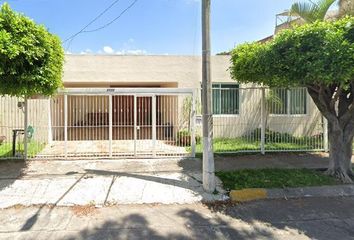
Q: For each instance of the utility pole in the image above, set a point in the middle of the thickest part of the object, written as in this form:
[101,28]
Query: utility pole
[208,154]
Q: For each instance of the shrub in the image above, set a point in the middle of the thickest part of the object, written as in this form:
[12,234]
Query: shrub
[31,58]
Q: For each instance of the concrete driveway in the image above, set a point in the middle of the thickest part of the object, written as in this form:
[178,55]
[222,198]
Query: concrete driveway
[102,183]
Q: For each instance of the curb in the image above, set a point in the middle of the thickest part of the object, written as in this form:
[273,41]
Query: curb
[246,195]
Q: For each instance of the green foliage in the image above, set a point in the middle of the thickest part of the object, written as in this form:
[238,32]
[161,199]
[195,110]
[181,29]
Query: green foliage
[184,137]
[225,53]
[33,149]
[273,141]
[321,53]
[274,178]
[183,133]
[270,136]
[31,58]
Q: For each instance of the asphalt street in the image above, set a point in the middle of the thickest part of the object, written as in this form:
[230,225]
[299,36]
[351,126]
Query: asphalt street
[309,218]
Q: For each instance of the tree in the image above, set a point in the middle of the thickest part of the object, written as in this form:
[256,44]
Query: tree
[31,58]
[320,57]
[313,11]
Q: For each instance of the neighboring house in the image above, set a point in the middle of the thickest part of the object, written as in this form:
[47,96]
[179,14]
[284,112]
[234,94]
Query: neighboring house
[234,104]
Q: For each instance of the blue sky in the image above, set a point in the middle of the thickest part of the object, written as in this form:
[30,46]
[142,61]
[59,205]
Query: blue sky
[154,26]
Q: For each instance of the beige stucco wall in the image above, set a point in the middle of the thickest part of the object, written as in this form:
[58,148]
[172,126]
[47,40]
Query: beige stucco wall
[11,117]
[106,71]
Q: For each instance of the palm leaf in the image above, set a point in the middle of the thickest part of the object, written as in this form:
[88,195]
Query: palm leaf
[323,7]
[311,11]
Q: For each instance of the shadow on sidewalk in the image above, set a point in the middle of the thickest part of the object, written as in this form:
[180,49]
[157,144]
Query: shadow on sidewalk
[30,222]
[10,170]
[182,183]
[193,226]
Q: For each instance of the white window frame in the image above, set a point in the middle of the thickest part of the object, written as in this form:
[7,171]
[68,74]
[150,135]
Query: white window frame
[239,99]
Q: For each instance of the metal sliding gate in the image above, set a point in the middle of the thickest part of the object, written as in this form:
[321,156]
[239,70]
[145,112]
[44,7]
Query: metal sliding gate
[158,122]
[121,122]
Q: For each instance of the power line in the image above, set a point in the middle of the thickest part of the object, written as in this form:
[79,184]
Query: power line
[92,21]
[115,19]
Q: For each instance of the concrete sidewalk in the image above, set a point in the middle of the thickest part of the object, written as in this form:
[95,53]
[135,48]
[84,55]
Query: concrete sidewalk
[102,183]
[102,188]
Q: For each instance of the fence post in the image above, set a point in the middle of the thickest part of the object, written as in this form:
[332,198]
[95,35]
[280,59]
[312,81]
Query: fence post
[25,142]
[110,130]
[66,125]
[50,130]
[325,135]
[192,125]
[135,125]
[154,125]
[263,121]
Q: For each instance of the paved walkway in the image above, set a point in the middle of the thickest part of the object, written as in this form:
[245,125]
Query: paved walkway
[14,169]
[120,147]
[322,218]
[101,183]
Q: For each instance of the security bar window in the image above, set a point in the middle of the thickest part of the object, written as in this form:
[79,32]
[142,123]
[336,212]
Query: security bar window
[287,101]
[226,99]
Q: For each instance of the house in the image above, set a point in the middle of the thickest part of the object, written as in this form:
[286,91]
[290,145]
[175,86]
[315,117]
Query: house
[130,105]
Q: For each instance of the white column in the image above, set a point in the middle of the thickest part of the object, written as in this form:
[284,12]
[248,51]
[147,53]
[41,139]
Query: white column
[325,135]
[263,121]
[208,155]
[192,121]
[50,130]
[154,125]
[135,122]
[25,138]
[66,125]
[110,113]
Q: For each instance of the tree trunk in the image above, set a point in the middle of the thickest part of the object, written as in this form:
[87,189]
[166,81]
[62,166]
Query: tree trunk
[337,105]
[346,7]
[340,153]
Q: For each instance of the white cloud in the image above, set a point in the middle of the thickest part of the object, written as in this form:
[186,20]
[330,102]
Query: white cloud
[108,50]
[132,52]
[85,52]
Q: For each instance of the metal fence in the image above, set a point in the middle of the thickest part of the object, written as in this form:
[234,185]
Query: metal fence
[263,120]
[103,123]
[120,123]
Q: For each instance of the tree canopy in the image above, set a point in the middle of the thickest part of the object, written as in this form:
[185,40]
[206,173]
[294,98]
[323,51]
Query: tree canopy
[321,53]
[319,56]
[31,58]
